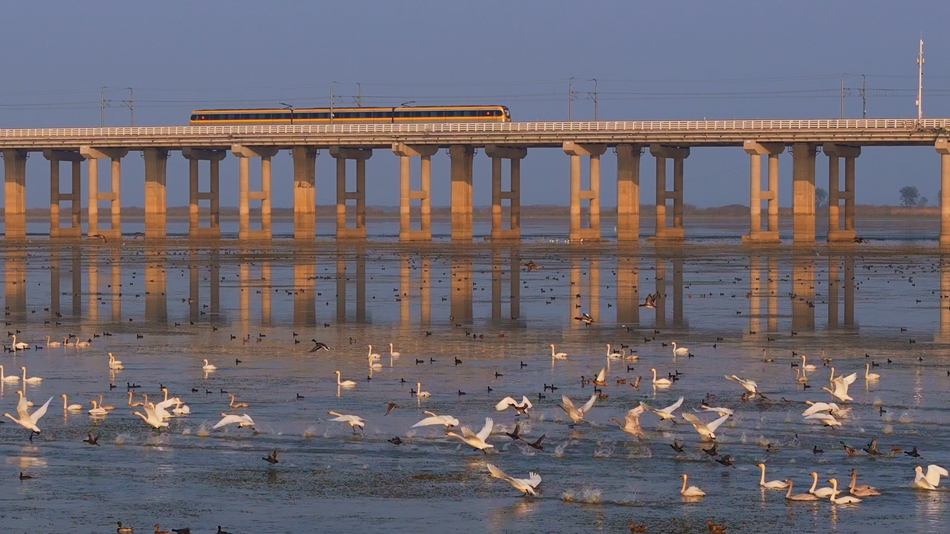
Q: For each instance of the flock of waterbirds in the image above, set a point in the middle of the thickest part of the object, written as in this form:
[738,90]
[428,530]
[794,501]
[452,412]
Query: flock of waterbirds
[831,414]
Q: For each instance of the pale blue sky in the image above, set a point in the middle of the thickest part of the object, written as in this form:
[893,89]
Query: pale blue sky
[653,60]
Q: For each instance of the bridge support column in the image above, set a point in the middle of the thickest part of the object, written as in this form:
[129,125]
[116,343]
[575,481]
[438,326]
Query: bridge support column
[628,192]
[305,211]
[662,153]
[591,194]
[358,231]
[245,195]
[14,175]
[849,153]
[803,193]
[212,195]
[756,195]
[155,204]
[943,148]
[407,194]
[74,197]
[114,196]
[461,202]
[514,155]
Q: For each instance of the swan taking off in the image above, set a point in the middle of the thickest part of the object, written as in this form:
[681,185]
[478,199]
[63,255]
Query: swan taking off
[207,366]
[840,385]
[509,402]
[679,351]
[557,355]
[476,441]
[664,413]
[847,499]
[8,378]
[576,414]
[353,420]
[28,420]
[930,481]
[771,484]
[631,424]
[344,383]
[240,420]
[691,491]
[434,419]
[749,385]
[150,417]
[524,485]
[707,431]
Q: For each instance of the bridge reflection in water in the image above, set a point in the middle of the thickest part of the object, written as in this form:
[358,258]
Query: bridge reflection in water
[116,287]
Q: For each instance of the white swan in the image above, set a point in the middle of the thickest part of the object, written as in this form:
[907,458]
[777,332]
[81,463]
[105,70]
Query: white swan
[207,366]
[681,351]
[344,383]
[392,353]
[354,421]
[631,423]
[180,408]
[370,354]
[26,419]
[821,493]
[81,343]
[706,431]
[868,375]
[691,491]
[861,490]
[771,484]
[800,496]
[96,411]
[434,419]
[19,346]
[476,441]
[131,403]
[52,343]
[718,409]
[70,407]
[840,384]
[557,355]
[240,420]
[931,480]
[749,385]
[807,366]
[420,393]
[576,414]
[524,485]
[161,409]
[664,413]
[32,379]
[826,418]
[660,382]
[613,355]
[373,366]
[847,499]
[234,404]
[8,378]
[22,402]
[509,402]
[815,407]
[151,418]
[115,365]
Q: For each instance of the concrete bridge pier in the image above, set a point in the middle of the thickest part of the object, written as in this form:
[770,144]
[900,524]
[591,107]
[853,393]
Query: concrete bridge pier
[628,193]
[943,148]
[849,153]
[407,194]
[74,197]
[212,195]
[245,195]
[514,155]
[305,211]
[461,177]
[14,175]
[803,194]
[114,196]
[155,203]
[662,153]
[341,154]
[756,195]
[592,194]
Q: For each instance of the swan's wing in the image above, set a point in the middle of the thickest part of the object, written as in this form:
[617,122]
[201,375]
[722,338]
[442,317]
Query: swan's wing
[503,404]
[815,408]
[821,416]
[601,374]
[226,420]
[525,402]
[587,405]
[712,426]
[934,472]
[486,430]
[647,407]
[533,479]
[693,420]
[428,421]
[669,409]
[449,420]
[467,432]
[566,401]
[847,380]
[732,377]
[633,416]
[429,413]
[247,418]
[165,404]
[22,410]
[497,473]
[41,411]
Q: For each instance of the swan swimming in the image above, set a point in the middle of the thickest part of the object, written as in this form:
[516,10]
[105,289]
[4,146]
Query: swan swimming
[821,493]
[207,366]
[52,343]
[771,484]
[32,379]
[660,382]
[8,378]
[613,354]
[70,407]
[19,346]
[557,355]
[344,383]
[420,393]
[392,353]
[96,411]
[476,441]
[524,485]
[26,419]
[800,496]
[868,375]
[807,366]
[681,351]
[691,491]
[115,365]
[847,499]
[861,490]
[372,355]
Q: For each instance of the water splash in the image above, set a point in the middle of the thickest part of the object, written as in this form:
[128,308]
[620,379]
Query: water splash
[203,431]
[309,432]
[584,495]
[905,418]
[603,450]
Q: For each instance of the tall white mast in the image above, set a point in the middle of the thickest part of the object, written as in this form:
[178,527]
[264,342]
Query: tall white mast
[920,79]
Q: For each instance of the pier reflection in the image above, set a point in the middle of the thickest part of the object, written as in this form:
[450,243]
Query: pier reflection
[350,260]
[763,285]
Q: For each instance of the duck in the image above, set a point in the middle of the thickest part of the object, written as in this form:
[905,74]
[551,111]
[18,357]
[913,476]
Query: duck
[123,530]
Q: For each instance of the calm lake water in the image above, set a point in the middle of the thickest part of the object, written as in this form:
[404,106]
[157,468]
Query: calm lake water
[739,311]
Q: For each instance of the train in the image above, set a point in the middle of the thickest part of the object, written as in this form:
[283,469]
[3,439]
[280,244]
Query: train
[350,115]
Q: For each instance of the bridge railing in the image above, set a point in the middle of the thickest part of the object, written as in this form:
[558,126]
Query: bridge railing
[510,127]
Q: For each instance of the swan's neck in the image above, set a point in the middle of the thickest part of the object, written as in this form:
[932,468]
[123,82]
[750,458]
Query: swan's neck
[762,477]
[814,483]
[684,486]
[788,494]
